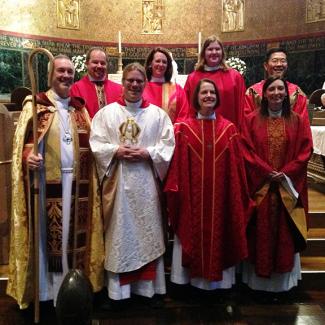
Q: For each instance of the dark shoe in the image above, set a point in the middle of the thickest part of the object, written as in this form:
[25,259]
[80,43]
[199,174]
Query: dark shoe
[157,302]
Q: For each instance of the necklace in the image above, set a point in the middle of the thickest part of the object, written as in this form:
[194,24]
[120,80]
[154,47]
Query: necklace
[67,137]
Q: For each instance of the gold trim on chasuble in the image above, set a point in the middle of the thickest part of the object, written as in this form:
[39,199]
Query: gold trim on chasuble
[277,150]
[206,167]
[169,103]
[276,141]
[297,213]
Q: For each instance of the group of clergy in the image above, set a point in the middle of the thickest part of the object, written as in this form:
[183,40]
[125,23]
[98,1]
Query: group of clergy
[224,169]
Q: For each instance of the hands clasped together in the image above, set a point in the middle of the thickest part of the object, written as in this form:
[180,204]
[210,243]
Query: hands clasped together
[132,154]
[276,176]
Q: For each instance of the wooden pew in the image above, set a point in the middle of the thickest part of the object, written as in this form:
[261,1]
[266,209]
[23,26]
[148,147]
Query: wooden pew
[6,135]
[9,114]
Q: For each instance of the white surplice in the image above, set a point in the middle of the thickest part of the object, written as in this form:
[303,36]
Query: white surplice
[134,236]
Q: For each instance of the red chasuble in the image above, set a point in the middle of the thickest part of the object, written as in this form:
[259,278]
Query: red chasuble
[206,196]
[231,86]
[169,96]
[281,144]
[298,99]
[86,89]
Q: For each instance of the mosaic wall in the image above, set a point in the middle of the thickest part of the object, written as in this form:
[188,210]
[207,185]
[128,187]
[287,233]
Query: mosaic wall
[306,59]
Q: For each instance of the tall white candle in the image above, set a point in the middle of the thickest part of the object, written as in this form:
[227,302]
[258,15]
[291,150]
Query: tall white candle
[119,42]
[199,42]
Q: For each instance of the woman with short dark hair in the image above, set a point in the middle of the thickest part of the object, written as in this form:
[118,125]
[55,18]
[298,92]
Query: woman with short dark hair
[207,196]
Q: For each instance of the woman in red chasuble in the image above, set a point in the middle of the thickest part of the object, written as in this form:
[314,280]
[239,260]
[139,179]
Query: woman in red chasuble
[230,83]
[207,196]
[279,147]
[159,89]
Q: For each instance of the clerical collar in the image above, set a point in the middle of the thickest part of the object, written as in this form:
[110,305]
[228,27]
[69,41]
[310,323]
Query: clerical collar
[203,117]
[95,81]
[134,105]
[207,68]
[275,113]
[61,102]
[159,80]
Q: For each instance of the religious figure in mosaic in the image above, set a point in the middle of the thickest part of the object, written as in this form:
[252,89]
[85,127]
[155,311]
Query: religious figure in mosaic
[315,10]
[68,14]
[152,16]
[232,15]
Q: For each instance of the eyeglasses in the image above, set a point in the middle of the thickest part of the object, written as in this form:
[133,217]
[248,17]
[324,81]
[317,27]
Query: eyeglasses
[138,81]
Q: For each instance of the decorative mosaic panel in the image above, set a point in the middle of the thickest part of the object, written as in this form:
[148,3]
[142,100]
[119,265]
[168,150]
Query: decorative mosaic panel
[315,11]
[232,15]
[306,59]
[68,14]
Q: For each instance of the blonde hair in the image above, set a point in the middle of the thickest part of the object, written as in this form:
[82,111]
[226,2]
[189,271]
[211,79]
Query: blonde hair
[207,42]
[134,66]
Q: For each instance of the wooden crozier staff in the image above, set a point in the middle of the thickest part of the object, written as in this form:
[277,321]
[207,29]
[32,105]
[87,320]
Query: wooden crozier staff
[36,173]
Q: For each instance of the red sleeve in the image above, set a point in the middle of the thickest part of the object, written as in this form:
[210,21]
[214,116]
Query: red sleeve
[74,91]
[301,107]
[177,188]
[297,168]
[187,88]
[241,89]
[256,168]
[183,108]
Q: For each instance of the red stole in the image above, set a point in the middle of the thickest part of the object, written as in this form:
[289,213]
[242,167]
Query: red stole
[163,95]
[147,272]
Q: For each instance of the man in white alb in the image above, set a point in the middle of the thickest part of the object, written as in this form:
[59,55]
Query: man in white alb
[133,142]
